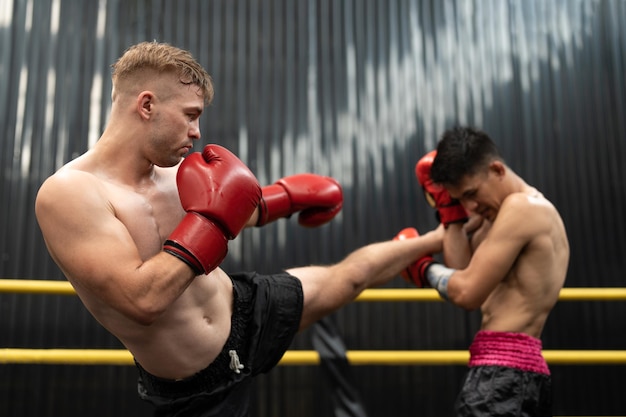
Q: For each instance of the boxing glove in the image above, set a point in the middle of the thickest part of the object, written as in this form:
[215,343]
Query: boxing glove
[219,194]
[415,273]
[317,198]
[449,210]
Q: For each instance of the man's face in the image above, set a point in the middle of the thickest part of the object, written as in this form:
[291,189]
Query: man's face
[479,193]
[177,125]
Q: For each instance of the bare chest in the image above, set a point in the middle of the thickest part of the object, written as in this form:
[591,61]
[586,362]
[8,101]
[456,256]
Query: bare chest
[149,214]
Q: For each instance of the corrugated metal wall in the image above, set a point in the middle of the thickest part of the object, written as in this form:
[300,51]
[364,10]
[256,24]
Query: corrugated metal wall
[356,89]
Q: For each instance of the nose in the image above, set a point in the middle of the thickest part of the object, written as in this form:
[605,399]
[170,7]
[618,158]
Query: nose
[194,130]
[469,204]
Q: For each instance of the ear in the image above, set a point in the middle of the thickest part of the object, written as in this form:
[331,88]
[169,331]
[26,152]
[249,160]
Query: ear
[145,104]
[498,168]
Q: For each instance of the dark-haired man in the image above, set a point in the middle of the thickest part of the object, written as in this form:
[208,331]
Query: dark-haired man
[505,252]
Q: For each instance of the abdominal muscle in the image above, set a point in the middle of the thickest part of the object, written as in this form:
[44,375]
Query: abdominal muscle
[507,309]
[188,336]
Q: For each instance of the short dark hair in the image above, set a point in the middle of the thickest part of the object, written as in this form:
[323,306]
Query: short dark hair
[462,151]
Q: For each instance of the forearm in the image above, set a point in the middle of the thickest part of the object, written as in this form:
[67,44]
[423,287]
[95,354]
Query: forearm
[478,233]
[456,247]
[150,289]
[453,286]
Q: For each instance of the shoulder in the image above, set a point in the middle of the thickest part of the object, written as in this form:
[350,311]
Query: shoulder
[518,199]
[68,180]
[70,189]
[526,214]
[525,203]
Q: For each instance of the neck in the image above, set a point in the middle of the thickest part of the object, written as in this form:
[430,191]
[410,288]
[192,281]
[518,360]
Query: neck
[515,183]
[120,159]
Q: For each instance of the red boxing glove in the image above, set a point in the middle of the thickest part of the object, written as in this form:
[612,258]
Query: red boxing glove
[219,194]
[449,210]
[317,198]
[416,272]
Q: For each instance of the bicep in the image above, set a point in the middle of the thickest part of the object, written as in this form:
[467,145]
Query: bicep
[90,245]
[99,256]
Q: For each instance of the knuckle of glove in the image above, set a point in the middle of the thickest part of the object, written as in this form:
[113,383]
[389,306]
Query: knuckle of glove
[222,188]
[314,217]
[213,152]
[323,203]
[310,190]
[407,233]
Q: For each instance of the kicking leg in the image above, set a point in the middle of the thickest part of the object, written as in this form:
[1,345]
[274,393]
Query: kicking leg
[327,288]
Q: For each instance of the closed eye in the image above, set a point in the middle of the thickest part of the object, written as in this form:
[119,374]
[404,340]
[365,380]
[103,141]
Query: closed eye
[469,194]
[193,113]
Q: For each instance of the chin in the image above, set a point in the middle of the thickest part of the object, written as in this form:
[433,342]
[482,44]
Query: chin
[170,163]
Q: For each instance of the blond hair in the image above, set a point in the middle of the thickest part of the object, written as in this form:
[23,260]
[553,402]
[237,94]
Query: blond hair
[162,58]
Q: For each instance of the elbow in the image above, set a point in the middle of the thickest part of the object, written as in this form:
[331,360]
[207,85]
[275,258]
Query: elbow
[144,314]
[469,306]
[464,297]
[465,303]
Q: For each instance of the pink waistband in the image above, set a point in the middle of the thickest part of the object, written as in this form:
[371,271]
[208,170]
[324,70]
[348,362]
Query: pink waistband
[513,350]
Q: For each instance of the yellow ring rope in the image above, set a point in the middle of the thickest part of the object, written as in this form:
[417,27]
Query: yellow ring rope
[34,286]
[309,357]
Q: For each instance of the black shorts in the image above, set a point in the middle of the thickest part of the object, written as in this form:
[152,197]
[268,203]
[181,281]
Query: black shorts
[501,391]
[508,376]
[266,316]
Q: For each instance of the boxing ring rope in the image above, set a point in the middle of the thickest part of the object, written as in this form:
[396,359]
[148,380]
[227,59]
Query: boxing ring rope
[308,357]
[35,286]
[311,357]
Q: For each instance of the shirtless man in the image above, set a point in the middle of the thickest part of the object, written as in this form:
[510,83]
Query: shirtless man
[141,235]
[510,260]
